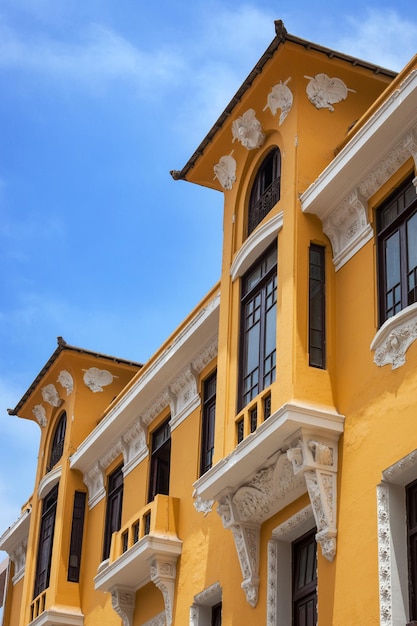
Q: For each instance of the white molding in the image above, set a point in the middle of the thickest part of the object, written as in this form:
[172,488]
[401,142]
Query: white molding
[59,616]
[190,345]
[49,481]
[14,541]
[200,610]
[340,194]
[395,336]
[255,244]
[158,620]
[123,603]
[152,558]
[271,436]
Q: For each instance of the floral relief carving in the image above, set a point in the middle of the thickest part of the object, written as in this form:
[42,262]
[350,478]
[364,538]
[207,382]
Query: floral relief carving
[205,356]
[40,415]
[280,97]
[323,91]
[395,336]
[225,171]
[308,457]
[123,602]
[163,573]
[94,479]
[248,130]
[66,381]
[51,395]
[384,556]
[95,379]
[203,506]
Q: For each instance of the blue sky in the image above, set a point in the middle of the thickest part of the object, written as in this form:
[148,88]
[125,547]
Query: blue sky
[99,101]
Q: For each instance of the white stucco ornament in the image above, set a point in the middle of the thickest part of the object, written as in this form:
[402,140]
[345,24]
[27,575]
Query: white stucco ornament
[66,380]
[280,97]
[323,91]
[95,379]
[225,171]
[40,414]
[51,395]
[248,130]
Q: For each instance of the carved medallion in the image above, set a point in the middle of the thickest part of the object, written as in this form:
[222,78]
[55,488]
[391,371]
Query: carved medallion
[323,91]
[280,97]
[225,171]
[248,130]
[96,379]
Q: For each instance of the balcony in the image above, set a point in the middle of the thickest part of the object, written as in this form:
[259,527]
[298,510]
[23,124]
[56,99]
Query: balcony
[293,451]
[145,549]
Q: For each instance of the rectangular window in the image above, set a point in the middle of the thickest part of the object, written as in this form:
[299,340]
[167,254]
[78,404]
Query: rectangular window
[258,327]
[114,508]
[209,414]
[240,430]
[160,461]
[216,615]
[304,580]
[316,309]
[253,415]
[397,251]
[267,407]
[76,541]
[46,538]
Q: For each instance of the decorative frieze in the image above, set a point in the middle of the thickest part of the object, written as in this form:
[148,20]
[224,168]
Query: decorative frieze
[348,227]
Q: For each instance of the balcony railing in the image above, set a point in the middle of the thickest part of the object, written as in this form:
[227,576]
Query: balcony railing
[151,533]
[38,605]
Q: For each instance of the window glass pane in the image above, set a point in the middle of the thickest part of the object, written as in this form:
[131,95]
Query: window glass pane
[412,242]
[392,259]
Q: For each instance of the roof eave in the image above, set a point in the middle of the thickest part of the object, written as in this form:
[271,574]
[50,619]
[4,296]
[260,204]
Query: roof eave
[281,37]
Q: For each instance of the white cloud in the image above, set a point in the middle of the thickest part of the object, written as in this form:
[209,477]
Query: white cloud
[96,57]
[383,38]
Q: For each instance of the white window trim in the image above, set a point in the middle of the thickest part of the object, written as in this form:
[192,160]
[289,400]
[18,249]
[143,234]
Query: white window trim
[200,610]
[279,592]
[392,541]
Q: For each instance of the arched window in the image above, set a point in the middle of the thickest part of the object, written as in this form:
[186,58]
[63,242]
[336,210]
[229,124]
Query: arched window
[266,189]
[57,445]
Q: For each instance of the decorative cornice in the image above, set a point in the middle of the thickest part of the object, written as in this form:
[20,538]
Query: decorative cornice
[394,338]
[379,148]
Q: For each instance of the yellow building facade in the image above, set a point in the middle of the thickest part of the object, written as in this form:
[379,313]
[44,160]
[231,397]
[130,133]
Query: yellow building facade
[261,467]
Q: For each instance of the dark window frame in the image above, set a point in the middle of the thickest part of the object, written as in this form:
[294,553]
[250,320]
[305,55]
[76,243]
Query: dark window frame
[57,443]
[317,306]
[216,614]
[46,541]
[393,218]
[304,580]
[160,466]
[208,422]
[266,189]
[258,303]
[411,510]
[76,541]
[115,486]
